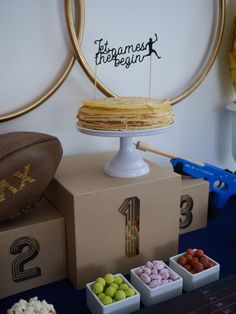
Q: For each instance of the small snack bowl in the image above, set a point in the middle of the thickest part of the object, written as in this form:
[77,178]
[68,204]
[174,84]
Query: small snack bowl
[153,287]
[121,306]
[194,278]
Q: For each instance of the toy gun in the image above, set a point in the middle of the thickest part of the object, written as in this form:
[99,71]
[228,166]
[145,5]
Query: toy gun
[221,182]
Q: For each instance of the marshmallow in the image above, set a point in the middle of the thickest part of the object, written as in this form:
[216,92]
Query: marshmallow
[139,271]
[154,271]
[156,274]
[164,273]
[173,275]
[145,278]
[147,271]
[153,284]
[158,264]
[149,265]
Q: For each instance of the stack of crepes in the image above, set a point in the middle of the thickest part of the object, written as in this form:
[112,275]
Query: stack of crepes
[125,113]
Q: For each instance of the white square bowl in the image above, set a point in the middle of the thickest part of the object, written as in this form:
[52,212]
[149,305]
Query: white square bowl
[151,296]
[124,306]
[195,281]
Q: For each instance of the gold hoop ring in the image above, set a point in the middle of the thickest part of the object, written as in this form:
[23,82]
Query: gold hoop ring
[104,89]
[49,91]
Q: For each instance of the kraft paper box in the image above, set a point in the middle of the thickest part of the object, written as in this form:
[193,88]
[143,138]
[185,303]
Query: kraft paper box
[33,250]
[114,224]
[193,204]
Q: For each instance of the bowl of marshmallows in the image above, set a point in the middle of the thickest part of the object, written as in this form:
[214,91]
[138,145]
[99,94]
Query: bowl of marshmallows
[156,282]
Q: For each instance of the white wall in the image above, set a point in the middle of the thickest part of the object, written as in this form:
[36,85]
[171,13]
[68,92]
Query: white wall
[34,45]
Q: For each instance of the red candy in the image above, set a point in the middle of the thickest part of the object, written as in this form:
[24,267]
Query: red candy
[188,257]
[195,261]
[190,251]
[182,260]
[199,253]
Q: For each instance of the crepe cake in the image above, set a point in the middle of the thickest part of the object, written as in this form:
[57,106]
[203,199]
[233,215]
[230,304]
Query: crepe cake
[125,114]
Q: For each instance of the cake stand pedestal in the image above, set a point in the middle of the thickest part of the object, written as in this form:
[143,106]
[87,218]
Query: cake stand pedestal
[126,163]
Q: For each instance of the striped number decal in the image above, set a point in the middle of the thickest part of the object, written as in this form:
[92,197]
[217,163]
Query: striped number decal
[19,273]
[131,210]
[186,206]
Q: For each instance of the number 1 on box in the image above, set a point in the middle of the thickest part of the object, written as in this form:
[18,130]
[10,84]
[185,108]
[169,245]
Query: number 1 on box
[130,208]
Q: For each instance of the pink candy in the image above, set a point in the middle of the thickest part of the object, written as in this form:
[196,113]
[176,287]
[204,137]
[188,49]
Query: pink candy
[173,275]
[164,273]
[145,278]
[147,271]
[150,265]
[139,271]
[154,284]
[158,264]
[156,274]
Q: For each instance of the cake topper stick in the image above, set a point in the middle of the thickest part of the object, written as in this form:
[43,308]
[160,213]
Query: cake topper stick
[95,83]
[150,77]
[151,50]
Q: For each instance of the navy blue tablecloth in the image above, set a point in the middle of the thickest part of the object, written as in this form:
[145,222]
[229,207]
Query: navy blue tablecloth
[218,240]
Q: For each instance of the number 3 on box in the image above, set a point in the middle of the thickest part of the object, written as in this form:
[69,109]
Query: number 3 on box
[186,206]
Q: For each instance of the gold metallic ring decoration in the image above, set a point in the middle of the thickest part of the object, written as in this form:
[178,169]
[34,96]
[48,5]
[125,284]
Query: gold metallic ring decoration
[51,89]
[105,90]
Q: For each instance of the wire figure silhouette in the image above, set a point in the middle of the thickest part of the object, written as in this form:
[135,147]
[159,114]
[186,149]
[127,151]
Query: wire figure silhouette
[149,45]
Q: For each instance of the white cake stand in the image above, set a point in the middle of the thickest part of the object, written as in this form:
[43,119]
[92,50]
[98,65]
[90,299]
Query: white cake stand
[126,163]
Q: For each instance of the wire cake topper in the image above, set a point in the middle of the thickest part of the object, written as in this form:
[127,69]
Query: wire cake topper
[125,56]
[183,93]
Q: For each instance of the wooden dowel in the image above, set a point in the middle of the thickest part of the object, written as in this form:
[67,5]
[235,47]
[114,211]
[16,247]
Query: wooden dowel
[145,147]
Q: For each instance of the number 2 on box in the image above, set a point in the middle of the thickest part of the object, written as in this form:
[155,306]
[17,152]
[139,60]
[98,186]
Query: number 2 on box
[17,247]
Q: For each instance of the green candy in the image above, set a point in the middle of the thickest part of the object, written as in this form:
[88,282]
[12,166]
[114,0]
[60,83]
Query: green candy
[101,295]
[106,300]
[110,291]
[129,292]
[109,278]
[114,285]
[97,288]
[120,295]
[123,287]
[118,280]
[101,281]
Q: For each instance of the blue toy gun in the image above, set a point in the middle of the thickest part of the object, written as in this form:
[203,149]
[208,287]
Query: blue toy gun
[221,182]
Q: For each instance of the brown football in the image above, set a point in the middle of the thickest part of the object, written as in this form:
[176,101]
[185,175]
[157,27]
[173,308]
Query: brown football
[28,162]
